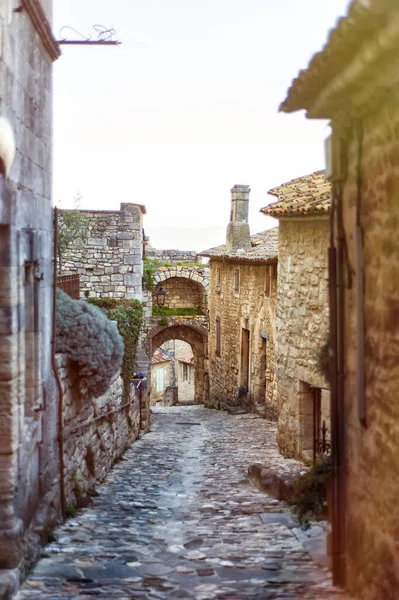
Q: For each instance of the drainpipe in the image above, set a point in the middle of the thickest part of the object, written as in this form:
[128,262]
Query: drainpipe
[56,375]
[332,276]
[337,261]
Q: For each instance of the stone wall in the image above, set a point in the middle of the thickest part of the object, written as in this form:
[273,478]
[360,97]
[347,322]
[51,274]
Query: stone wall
[183,293]
[372,452]
[96,432]
[173,256]
[249,309]
[185,385]
[302,324]
[110,262]
[29,494]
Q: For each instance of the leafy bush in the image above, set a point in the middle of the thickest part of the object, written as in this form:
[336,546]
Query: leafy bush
[150,267]
[129,314]
[90,340]
[309,498]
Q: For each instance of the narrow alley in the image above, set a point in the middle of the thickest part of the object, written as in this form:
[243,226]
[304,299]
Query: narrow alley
[178,518]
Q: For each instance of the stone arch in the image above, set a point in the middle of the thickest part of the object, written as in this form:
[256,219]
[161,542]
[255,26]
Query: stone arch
[191,332]
[186,287]
[197,274]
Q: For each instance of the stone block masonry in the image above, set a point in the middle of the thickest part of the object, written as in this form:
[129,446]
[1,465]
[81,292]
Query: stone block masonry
[96,432]
[29,485]
[302,324]
[110,262]
[172,256]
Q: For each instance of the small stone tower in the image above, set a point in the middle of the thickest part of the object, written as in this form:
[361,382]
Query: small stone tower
[238,235]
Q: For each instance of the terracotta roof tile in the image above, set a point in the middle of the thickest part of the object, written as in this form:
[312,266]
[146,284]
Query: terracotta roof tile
[264,247]
[160,356]
[308,195]
[364,19]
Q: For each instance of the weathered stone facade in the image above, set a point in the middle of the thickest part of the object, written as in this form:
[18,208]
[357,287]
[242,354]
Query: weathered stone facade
[110,262]
[372,451]
[360,81]
[184,288]
[95,432]
[29,490]
[249,310]
[301,331]
[185,375]
[242,304]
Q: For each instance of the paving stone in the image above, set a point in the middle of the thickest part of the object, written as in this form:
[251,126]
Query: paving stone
[178,518]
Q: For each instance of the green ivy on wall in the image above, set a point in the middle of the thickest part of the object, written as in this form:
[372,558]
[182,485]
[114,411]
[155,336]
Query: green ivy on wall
[129,315]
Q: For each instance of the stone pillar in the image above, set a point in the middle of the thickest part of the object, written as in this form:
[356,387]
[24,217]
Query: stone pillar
[238,235]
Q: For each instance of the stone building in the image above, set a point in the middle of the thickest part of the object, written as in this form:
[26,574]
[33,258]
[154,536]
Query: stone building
[303,209]
[242,306]
[29,470]
[110,261]
[184,372]
[172,365]
[160,374]
[353,82]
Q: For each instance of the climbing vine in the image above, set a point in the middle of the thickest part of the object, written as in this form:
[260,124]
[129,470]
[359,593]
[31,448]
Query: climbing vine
[150,267]
[129,315]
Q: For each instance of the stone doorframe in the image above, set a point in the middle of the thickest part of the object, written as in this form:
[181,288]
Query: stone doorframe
[194,333]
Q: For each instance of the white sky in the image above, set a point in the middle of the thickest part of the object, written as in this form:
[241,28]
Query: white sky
[185,108]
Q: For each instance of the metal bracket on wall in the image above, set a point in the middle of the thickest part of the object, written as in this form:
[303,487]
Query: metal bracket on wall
[104,37]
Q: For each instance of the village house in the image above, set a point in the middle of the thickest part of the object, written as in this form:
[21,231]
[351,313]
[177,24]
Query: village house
[29,472]
[353,82]
[172,365]
[303,209]
[242,307]
[161,366]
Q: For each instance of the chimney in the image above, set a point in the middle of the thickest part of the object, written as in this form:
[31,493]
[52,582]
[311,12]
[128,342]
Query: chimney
[238,235]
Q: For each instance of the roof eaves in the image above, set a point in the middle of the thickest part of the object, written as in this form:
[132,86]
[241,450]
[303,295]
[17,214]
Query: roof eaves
[352,33]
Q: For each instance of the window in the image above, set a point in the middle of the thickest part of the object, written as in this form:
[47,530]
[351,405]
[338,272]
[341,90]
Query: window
[160,380]
[267,281]
[185,372]
[237,281]
[218,336]
[245,346]
[218,279]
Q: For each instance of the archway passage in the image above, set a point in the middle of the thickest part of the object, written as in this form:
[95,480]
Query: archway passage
[196,336]
[183,293]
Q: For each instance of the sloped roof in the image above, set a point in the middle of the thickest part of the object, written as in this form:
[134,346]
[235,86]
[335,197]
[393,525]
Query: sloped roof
[160,356]
[264,247]
[364,19]
[307,195]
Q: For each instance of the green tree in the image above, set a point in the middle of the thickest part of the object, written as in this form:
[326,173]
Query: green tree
[73,229]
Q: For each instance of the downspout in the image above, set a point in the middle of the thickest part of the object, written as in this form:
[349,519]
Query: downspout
[56,375]
[340,410]
[332,278]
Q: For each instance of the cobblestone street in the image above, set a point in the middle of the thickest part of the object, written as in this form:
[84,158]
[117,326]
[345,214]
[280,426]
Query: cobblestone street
[178,518]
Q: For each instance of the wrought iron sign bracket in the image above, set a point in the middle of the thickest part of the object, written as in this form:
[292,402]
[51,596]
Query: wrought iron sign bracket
[104,37]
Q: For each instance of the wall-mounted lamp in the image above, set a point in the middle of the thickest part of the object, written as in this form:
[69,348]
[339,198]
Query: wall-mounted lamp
[160,296]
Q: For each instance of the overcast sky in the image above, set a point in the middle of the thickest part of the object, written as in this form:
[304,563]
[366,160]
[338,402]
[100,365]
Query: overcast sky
[185,108]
